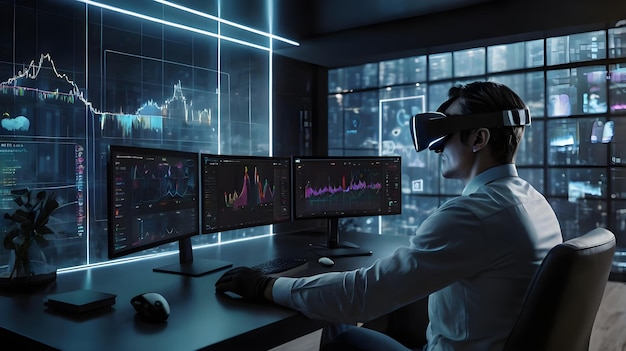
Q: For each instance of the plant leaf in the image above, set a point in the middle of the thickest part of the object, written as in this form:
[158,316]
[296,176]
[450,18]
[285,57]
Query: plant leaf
[20,192]
[20,216]
[50,205]
[41,241]
[27,228]
[41,195]
[43,230]
[8,239]
[31,217]
[18,200]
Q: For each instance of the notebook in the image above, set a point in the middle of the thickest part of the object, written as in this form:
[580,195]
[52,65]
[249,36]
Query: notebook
[79,301]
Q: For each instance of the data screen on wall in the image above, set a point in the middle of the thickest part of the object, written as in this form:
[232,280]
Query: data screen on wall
[42,146]
[153,198]
[244,191]
[53,168]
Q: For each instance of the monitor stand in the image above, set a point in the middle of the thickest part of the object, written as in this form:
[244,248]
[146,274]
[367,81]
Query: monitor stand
[335,247]
[190,267]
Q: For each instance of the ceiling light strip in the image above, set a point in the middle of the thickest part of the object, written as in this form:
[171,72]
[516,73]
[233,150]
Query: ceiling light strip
[221,20]
[172,24]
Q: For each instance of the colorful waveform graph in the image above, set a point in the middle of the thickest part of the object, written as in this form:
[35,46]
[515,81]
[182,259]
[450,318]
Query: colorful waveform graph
[253,192]
[163,181]
[176,179]
[354,186]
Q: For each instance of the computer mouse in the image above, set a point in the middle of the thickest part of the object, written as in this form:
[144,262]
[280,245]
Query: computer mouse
[151,307]
[326,261]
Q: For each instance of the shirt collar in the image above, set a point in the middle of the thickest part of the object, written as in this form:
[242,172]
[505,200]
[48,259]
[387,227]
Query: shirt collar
[489,175]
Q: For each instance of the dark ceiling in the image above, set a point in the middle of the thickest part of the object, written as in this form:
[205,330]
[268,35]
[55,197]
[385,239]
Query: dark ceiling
[321,25]
[303,20]
[339,33]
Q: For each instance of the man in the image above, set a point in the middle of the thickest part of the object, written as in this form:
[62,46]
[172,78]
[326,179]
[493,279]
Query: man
[474,257]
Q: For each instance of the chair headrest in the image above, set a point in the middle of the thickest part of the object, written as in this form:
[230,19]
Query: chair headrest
[596,239]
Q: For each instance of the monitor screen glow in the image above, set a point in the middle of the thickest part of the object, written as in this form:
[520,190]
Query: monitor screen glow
[244,191]
[339,187]
[154,199]
[346,187]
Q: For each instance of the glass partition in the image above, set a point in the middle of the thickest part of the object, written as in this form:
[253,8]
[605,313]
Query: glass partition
[617,42]
[469,62]
[576,47]
[80,78]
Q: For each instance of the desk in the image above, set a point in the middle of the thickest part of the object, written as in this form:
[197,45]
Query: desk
[200,319]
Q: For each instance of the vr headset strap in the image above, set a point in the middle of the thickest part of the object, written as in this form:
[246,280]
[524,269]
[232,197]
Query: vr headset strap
[447,124]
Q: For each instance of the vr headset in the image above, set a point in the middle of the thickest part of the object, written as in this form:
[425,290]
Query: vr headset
[431,130]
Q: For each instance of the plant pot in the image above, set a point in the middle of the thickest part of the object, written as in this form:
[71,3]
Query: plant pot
[27,267]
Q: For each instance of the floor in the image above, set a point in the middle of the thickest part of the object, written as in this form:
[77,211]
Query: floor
[609,330]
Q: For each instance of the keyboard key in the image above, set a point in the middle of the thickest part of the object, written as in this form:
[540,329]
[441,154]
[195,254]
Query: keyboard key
[280,264]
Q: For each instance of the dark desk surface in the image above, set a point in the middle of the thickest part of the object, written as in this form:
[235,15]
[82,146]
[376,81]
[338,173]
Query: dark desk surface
[199,318]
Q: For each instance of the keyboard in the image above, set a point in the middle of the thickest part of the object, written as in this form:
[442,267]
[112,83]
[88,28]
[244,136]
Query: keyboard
[280,264]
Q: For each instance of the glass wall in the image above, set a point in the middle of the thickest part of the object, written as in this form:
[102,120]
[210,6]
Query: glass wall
[575,87]
[76,78]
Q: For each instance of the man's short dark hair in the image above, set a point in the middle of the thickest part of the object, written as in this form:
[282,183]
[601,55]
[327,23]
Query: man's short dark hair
[481,97]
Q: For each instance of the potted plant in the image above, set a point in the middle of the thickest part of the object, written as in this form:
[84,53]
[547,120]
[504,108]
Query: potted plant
[29,235]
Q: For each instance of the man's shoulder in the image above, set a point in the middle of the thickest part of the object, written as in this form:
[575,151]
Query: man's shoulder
[494,197]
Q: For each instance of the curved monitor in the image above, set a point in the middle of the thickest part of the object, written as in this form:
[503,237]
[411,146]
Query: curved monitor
[153,200]
[336,187]
[244,191]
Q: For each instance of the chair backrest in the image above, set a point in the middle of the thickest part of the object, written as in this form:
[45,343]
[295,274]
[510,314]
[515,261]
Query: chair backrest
[564,296]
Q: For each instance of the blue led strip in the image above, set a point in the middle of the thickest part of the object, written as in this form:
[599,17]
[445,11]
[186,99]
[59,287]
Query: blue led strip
[188,28]
[230,23]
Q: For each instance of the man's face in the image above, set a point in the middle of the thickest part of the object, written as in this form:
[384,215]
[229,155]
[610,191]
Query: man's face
[457,158]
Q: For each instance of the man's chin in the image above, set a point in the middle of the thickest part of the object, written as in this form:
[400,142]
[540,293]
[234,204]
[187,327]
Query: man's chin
[449,174]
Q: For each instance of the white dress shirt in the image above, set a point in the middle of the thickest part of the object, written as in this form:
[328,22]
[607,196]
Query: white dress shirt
[474,256]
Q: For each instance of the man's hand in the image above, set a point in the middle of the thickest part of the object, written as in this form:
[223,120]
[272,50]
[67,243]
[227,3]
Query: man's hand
[246,282]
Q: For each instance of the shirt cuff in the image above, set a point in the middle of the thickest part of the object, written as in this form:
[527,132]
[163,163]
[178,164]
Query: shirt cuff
[281,291]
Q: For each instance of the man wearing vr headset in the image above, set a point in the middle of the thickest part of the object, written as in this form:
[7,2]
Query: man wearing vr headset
[473,258]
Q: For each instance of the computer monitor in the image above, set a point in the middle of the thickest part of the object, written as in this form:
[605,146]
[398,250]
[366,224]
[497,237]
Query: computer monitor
[244,191]
[154,200]
[337,187]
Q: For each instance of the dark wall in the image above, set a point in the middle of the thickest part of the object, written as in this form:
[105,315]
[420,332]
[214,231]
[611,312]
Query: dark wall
[299,108]
[300,95]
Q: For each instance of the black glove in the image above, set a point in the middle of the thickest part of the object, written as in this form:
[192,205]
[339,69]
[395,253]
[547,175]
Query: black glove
[246,282]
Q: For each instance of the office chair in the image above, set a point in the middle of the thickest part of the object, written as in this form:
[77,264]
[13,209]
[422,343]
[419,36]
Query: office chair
[564,296]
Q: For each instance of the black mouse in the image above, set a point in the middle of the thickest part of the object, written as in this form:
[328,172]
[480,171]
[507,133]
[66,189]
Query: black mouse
[151,307]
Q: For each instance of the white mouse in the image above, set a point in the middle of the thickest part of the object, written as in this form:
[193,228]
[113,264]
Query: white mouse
[325,261]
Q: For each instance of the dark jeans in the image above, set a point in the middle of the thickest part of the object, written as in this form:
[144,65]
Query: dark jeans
[363,339]
[402,329]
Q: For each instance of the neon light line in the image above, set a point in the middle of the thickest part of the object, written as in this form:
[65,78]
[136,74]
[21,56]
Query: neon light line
[233,24]
[172,24]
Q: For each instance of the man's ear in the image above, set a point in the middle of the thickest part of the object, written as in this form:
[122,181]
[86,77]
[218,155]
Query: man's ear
[481,138]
